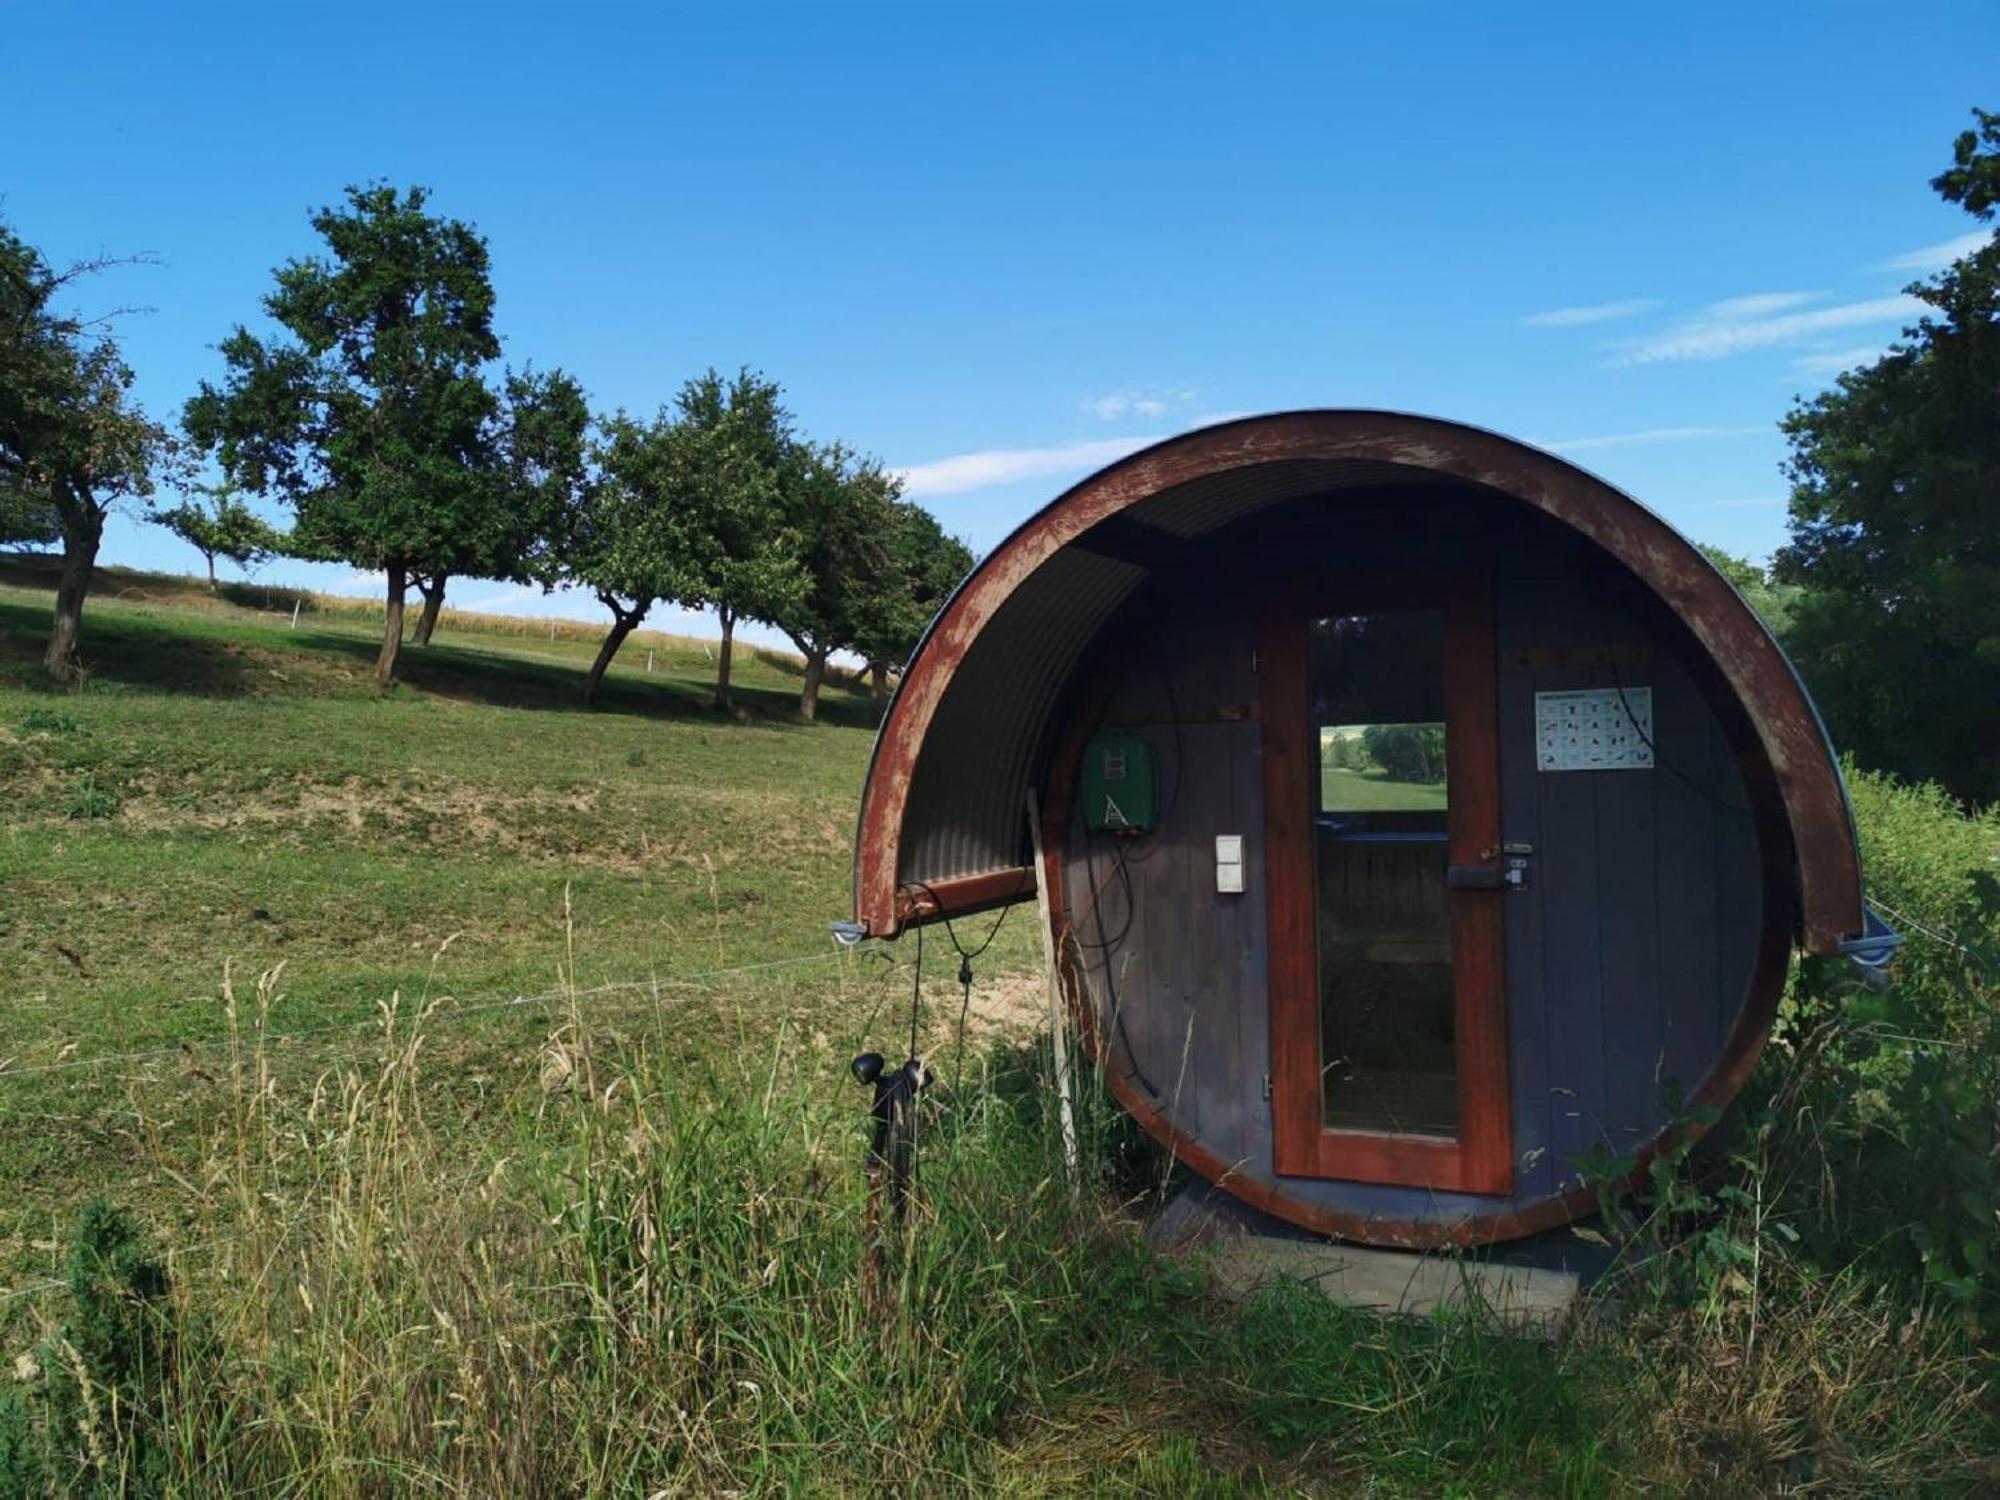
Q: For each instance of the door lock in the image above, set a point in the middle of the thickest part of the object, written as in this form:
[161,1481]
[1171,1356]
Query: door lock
[1510,874]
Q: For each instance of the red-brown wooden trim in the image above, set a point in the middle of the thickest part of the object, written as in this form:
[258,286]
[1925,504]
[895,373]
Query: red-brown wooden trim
[1814,804]
[963,894]
[1285,712]
[1480,1158]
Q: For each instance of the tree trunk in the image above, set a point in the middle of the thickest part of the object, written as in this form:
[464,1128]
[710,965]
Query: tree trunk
[212,585]
[623,623]
[728,618]
[878,676]
[433,592]
[392,629]
[809,697]
[83,529]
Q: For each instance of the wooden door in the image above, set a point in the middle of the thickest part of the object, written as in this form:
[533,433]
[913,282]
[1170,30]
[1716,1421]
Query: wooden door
[1383,847]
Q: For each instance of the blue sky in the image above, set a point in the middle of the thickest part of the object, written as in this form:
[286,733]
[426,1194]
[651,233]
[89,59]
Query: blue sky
[1000,245]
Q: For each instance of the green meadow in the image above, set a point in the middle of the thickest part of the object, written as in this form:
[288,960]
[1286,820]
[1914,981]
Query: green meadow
[443,1091]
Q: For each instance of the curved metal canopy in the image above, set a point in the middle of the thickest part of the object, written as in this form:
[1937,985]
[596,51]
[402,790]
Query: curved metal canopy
[941,813]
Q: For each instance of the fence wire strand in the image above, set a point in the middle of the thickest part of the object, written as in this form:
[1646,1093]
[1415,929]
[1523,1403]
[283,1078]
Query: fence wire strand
[445,1006]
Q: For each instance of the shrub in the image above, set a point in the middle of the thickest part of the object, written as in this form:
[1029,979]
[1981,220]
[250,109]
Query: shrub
[103,1396]
[1898,1082]
[93,797]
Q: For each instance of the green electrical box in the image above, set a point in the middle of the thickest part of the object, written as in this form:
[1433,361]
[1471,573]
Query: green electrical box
[1120,787]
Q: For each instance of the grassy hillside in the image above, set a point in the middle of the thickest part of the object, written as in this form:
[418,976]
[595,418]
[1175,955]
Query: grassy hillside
[467,1073]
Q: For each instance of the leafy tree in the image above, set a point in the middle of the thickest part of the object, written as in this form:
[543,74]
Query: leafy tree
[73,446]
[1773,601]
[1894,474]
[539,460]
[617,537]
[374,421]
[840,508]
[925,565]
[224,527]
[1407,752]
[737,555]
[26,519]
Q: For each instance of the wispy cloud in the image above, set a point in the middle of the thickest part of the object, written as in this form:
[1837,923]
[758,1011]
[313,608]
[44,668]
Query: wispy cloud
[1596,312]
[1937,257]
[1652,435]
[1115,406]
[1756,305]
[977,471]
[1726,328]
[1836,360]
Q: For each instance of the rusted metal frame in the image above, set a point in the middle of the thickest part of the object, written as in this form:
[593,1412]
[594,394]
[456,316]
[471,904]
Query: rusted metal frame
[1479,1158]
[963,895]
[1787,726]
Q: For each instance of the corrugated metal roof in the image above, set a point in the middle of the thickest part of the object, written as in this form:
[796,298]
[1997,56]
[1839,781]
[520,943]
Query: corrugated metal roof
[966,810]
[1213,501]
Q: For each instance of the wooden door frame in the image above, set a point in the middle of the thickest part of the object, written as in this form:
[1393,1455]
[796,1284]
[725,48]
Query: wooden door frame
[1480,1159]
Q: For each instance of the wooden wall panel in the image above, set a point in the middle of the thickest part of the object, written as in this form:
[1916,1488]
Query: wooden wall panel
[1517,633]
[1626,959]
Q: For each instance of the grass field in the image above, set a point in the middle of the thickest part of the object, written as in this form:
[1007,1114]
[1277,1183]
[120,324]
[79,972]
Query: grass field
[531,1165]
[1344,790]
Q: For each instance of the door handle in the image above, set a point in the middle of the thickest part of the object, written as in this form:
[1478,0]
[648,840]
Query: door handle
[1473,878]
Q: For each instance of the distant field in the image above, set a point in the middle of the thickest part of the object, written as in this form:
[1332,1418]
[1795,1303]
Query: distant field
[1371,791]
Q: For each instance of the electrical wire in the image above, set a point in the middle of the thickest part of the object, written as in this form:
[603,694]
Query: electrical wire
[965,958]
[1617,607]
[513,1002]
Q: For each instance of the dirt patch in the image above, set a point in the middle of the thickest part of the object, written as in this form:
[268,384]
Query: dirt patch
[1005,1008]
[583,824]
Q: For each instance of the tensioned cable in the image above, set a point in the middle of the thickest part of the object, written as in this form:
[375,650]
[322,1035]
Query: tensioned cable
[435,1012]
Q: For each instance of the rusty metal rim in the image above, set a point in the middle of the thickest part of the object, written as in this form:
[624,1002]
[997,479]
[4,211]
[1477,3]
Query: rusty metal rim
[1790,732]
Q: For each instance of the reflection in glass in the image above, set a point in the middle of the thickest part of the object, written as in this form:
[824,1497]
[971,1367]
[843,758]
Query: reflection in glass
[1388,1053]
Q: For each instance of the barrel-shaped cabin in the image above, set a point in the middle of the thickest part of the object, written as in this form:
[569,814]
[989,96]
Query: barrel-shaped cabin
[1423,820]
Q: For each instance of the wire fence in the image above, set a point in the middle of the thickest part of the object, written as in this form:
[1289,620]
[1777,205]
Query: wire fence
[445,1007]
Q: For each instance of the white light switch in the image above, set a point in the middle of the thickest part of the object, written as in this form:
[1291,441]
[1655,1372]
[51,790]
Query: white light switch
[1229,864]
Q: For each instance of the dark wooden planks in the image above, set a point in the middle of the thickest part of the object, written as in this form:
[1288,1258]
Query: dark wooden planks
[1692,789]
[1528,1017]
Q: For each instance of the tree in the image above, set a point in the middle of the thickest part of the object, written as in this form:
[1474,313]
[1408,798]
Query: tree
[73,445]
[737,555]
[1407,752]
[924,565]
[1773,601]
[374,422]
[617,535]
[1894,474]
[26,519]
[224,527]
[539,461]
[840,508]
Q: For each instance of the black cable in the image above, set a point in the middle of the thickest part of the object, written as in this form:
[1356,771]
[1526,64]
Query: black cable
[1105,944]
[965,958]
[1611,663]
[917,990]
[1104,947]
